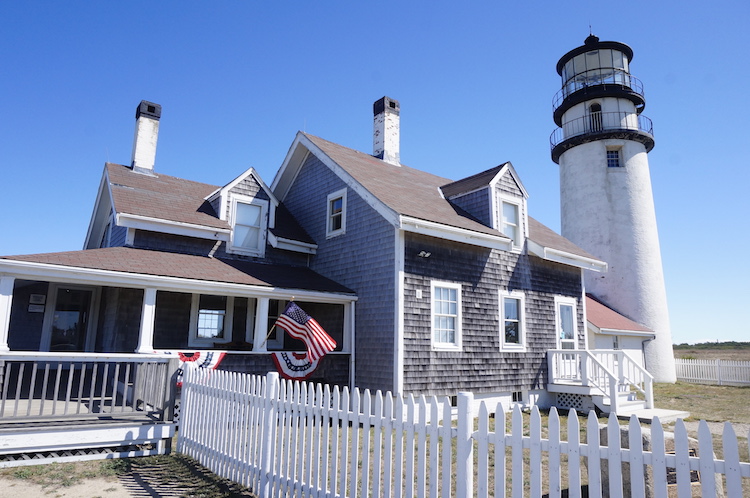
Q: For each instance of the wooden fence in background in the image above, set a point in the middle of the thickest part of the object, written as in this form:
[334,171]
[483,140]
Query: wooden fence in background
[721,372]
[284,438]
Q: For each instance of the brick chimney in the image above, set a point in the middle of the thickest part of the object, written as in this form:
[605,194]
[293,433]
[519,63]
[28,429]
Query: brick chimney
[386,131]
[146,133]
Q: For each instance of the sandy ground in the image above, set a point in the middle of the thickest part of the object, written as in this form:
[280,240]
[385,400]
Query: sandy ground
[16,488]
[131,485]
[146,478]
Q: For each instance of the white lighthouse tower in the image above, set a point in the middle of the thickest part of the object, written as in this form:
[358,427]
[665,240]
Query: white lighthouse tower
[607,205]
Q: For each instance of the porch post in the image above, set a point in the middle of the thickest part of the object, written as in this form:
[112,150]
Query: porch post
[261,322]
[146,336]
[6,299]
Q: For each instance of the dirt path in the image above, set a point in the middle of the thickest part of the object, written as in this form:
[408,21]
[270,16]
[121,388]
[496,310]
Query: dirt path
[169,477]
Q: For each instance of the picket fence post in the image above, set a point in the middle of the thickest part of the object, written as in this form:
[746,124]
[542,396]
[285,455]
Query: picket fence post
[465,447]
[269,424]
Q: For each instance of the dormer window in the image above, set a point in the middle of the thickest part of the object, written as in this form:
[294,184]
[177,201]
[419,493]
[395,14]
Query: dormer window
[248,226]
[336,214]
[511,223]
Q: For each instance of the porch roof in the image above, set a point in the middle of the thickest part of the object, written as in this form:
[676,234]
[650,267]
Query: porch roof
[131,261]
[605,318]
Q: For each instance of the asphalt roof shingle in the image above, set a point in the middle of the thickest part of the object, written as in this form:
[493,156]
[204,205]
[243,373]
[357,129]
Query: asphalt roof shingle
[165,264]
[162,197]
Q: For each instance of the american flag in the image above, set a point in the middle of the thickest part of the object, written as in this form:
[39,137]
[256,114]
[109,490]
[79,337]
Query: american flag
[300,325]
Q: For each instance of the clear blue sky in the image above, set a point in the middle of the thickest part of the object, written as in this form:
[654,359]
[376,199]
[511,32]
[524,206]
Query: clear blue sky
[236,80]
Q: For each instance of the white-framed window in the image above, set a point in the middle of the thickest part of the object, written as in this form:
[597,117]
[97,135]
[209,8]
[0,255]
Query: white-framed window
[210,320]
[613,157]
[336,213]
[566,318]
[446,315]
[512,321]
[248,226]
[511,222]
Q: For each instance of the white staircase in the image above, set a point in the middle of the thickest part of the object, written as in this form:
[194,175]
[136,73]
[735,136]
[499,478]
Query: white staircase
[609,380]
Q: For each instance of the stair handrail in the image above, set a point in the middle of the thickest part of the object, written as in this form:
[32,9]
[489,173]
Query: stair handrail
[648,380]
[610,386]
[596,375]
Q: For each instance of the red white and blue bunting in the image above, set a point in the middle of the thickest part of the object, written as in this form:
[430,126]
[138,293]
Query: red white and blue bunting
[294,366]
[202,359]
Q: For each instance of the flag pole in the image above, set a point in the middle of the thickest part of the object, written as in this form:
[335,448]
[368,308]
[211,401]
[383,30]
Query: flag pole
[269,335]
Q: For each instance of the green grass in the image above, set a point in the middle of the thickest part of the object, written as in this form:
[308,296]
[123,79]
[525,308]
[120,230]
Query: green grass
[704,402]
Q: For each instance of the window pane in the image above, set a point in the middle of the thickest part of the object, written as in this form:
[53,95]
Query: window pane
[511,308]
[211,312]
[510,213]
[566,322]
[511,332]
[510,221]
[247,237]
[336,222]
[248,214]
[617,59]
[445,310]
[337,205]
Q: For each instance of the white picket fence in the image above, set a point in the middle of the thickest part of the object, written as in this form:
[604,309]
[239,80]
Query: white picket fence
[284,438]
[721,372]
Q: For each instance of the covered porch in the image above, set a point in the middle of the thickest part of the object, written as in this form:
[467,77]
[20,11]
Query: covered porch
[126,300]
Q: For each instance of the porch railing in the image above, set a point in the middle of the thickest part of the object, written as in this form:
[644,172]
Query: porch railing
[44,386]
[608,372]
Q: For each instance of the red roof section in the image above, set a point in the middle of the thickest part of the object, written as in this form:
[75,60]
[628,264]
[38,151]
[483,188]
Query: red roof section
[604,317]
[165,264]
[162,197]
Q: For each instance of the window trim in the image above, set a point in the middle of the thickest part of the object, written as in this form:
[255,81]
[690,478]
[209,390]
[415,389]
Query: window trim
[458,340]
[342,194]
[618,150]
[516,243]
[566,301]
[193,339]
[521,297]
[263,228]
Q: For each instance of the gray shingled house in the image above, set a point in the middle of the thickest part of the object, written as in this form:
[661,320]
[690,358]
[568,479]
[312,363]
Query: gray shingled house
[428,285]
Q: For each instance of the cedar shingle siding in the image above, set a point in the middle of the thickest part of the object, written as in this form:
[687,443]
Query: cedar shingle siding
[477,203]
[368,243]
[481,367]
[172,243]
[117,236]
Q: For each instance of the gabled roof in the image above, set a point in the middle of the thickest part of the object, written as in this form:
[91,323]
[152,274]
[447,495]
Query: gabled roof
[162,197]
[413,200]
[128,265]
[482,180]
[407,191]
[224,191]
[408,198]
[607,320]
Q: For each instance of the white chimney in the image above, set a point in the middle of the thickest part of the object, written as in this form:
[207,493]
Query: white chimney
[146,133]
[386,131]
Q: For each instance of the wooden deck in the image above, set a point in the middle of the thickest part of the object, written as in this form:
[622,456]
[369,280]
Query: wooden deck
[81,406]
